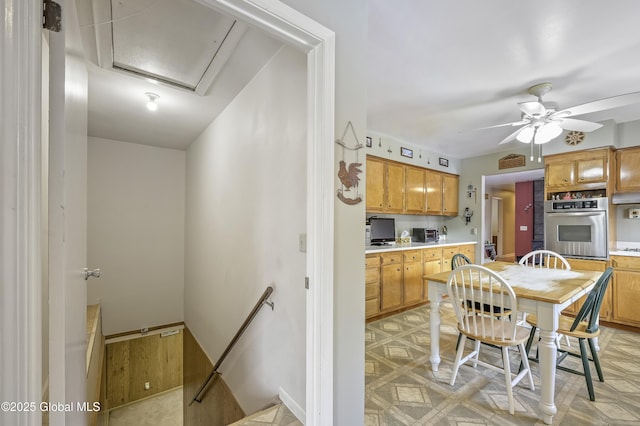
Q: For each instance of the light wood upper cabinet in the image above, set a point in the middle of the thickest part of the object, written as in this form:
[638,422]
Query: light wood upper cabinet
[449,195]
[628,169]
[442,193]
[575,171]
[433,183]
[414,190]
[394,187]
[385,186]
[375,185]
[559,174]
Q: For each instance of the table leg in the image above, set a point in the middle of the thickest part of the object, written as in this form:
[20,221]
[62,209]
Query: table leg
[434,301]
[547,352]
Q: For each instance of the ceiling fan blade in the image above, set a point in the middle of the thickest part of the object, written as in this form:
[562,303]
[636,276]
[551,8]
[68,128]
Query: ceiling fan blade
[532,108]
[603,104]
[511,137]
[515,123]
[579,125]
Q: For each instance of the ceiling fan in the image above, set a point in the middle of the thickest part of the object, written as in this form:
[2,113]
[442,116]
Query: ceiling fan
[542,121]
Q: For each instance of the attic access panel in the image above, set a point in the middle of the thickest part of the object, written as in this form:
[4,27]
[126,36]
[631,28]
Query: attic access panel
[174,41]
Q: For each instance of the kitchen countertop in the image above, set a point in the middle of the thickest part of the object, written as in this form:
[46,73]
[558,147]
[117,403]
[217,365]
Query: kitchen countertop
[620,247]
[416,246]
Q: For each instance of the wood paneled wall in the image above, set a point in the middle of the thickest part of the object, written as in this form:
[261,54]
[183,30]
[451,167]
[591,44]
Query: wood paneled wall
[218,407]
[131,363]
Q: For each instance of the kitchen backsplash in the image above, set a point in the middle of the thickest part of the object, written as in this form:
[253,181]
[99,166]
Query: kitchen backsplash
[627,229]
[406,222]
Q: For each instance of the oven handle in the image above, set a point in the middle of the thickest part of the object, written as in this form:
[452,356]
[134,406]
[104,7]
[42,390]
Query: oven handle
[583,214]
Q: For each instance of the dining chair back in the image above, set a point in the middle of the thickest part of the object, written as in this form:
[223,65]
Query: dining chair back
[584,328]
[483,302]
[459,259]
[545,259]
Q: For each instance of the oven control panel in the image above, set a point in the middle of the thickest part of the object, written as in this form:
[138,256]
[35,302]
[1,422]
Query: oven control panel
[578,204]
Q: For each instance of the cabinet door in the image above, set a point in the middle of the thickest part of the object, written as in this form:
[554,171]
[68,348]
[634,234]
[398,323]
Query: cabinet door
[591,170]
[447,254]
[395,188]
[628,173]
[590,265]
[414,191]
[469,250]
[433,185]
[412,283]
[375,185]
[559,175]
[391,288]
[430,266]
[626,297]
[449,195]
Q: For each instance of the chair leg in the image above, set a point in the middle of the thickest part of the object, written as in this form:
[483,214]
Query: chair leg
[524,360]
[477,349]
[587,370]
[456,363]
[458,341]
[528,348]
[507,378]
[596,360]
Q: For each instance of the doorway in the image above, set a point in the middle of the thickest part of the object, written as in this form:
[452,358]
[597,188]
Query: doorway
[500,210]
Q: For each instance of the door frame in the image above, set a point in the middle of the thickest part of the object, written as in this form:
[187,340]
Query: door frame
[20,105]
[318,43]
[20,219]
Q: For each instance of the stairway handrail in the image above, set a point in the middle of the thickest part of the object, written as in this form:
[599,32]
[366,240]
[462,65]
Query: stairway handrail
[243,327]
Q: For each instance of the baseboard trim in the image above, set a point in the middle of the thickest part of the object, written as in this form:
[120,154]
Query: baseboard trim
[292,405]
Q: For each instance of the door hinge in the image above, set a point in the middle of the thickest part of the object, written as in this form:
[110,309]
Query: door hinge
[306,283]
[51,16]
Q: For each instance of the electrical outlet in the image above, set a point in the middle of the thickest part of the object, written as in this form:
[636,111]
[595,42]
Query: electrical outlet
[147,386]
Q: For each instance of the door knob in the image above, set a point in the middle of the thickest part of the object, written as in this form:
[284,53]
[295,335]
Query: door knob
[95,273]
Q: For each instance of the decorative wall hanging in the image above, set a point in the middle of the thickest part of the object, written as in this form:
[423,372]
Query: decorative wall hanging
[406,152]
[369,142]
[574,137]
[510,161]
[443,162]
[348,174]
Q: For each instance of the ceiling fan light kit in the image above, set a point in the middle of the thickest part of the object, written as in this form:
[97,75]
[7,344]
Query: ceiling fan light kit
[543,121]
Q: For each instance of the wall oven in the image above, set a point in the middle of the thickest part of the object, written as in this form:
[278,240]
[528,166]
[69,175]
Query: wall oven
[577,228]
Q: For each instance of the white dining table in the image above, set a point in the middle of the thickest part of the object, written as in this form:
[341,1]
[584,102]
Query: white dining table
[540,291]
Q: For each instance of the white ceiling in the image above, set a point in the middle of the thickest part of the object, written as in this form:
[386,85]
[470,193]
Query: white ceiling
[437,70]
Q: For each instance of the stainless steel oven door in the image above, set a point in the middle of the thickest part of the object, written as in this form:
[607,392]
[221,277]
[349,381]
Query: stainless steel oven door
[579,234]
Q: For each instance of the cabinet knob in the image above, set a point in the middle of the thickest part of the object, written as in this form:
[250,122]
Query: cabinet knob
[566,180]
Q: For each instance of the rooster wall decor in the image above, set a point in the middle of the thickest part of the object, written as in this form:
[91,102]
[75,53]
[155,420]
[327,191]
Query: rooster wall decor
[348,174]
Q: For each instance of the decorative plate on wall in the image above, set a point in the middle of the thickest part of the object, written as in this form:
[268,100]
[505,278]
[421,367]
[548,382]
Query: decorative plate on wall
[574,137]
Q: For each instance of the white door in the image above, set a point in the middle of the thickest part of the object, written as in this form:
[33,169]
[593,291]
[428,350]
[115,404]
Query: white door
[67,220]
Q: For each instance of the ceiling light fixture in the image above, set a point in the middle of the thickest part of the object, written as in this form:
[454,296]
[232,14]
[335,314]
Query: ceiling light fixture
[151,103]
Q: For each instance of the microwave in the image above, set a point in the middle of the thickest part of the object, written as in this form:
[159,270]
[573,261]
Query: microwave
[424,235]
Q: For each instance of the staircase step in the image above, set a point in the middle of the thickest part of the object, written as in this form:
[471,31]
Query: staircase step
[277,415]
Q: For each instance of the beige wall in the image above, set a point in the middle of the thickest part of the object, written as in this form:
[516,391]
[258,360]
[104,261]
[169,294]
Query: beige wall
[245,209]
[349,20]
[135,233]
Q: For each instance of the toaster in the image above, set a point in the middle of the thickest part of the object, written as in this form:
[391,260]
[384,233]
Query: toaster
[424,235]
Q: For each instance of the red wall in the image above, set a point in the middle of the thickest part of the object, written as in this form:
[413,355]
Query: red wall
[524,217]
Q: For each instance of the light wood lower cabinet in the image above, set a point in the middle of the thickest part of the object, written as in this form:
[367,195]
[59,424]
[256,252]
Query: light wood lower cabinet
[626,290]
[591,265]
[372,285]
[412,279]
[395,280]
[391,281]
